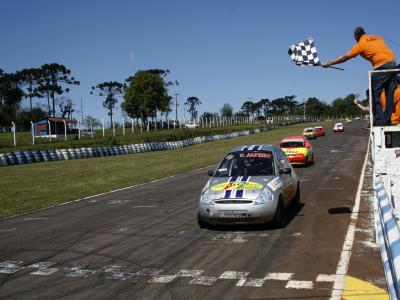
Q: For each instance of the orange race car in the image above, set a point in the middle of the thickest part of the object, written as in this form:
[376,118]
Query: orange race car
[297,149]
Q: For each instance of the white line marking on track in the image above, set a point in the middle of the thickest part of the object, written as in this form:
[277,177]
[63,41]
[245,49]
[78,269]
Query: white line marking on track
[43,268]
[233,275]
[35,219]
[344,260]
[279,276]
[122,229]
[8,230]
[117,201]
[149,271]
[189,273]
[203,280]
[297,284]
[81,273]
[326,278]
[162,278]
[11,266]
[144,206]
[251,282]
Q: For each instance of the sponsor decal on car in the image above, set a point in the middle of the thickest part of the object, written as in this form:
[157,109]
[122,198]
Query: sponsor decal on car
[275,184]
[255,155]
[237,185]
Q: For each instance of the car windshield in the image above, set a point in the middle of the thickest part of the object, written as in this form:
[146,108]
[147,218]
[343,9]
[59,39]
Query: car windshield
[247,163]
[287,144]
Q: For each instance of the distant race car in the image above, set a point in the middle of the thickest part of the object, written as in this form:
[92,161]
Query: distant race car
[319,131]
[338,127]
[348,120]
[298,150]
[252,184]
[309,133]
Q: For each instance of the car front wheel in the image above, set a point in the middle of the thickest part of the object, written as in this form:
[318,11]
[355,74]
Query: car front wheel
[280,215]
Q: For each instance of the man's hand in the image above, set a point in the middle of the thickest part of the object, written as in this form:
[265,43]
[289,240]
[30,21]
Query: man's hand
[326,65]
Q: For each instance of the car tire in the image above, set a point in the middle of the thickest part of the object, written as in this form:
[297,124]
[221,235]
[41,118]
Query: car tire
[280,215]
[201,222]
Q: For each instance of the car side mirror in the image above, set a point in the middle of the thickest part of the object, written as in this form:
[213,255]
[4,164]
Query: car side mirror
[210,173]
[285,171]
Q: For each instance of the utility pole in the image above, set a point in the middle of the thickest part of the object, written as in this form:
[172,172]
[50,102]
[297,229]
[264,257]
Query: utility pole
[133,69]
[304,112]
[176,107]
[81,112]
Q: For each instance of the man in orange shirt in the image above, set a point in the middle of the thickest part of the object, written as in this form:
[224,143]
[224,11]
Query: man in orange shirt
[373,49]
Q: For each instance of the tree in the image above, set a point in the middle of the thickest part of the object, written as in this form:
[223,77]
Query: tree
[226,111]
[146,93]
[111,90]
[30,79]
[265,106]
[209,115]
[53,78]
[10,98]
[248,108]
[89,121]
[66,107]
[283,105]
[315,107]
[192,102]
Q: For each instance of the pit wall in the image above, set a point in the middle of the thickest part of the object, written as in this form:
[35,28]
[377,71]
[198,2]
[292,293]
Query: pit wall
[385,145]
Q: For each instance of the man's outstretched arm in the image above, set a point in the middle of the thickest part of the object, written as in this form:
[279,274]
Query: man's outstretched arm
[339,60]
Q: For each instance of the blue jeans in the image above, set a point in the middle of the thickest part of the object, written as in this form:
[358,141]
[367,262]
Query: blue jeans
[379,82]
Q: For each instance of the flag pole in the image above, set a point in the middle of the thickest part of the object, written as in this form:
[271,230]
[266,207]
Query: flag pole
[336,68]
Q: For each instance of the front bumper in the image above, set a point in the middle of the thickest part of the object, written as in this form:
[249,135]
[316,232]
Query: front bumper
[219,214]
[298,159]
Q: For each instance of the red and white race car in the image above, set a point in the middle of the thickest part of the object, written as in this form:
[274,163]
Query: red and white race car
[297,149]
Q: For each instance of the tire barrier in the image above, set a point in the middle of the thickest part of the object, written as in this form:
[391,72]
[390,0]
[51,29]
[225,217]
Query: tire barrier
[34,156]
[389,238]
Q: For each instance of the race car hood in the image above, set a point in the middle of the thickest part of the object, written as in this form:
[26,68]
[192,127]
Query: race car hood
[295,150]
[244,187]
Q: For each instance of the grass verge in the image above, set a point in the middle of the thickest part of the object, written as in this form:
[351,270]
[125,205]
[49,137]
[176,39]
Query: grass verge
[33,186]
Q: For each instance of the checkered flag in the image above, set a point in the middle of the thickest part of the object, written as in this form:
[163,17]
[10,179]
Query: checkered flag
[304,53]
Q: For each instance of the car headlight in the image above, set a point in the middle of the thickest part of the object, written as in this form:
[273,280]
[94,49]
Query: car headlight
[264,197]
[205,198]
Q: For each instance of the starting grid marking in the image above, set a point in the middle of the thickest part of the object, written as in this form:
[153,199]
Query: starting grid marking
[152,275]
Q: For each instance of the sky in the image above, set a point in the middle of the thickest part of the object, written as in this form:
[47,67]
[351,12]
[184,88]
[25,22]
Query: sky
[221,51]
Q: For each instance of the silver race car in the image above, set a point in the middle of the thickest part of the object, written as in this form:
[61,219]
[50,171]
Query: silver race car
[252,185]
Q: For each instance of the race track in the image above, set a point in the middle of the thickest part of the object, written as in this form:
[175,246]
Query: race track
[144,242]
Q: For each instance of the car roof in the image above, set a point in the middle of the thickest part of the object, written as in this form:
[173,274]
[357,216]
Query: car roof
[338,124]
[255,147]
[294,137]
[318,127]
[309,128]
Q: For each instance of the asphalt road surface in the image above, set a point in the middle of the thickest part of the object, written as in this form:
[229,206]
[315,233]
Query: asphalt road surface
[144,242]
